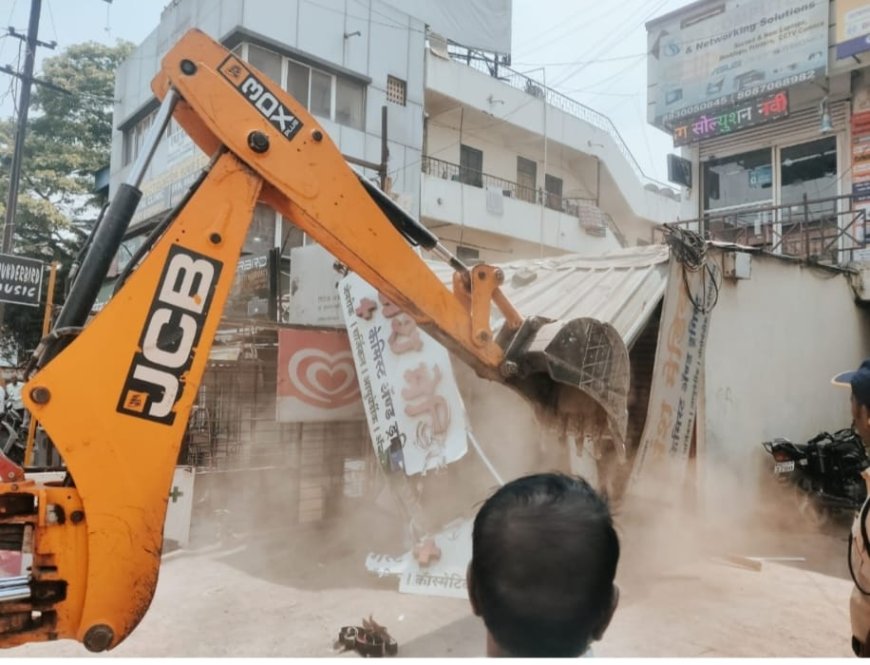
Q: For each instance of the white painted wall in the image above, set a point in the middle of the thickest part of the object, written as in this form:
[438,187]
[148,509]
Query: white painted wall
[390,43]
[775,341]
[577,171]
[452,202]
[513,106]
[493,248]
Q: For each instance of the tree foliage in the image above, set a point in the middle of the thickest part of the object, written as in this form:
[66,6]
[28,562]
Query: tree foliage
[69,135]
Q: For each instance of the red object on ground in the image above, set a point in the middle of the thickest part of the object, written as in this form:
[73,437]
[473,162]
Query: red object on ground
[427,552]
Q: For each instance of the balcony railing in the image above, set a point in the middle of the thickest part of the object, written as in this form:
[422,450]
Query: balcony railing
[826,230]
[594,220]
[570,106]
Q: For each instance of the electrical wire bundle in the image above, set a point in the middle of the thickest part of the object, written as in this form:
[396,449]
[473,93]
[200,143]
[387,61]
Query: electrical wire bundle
[690,249]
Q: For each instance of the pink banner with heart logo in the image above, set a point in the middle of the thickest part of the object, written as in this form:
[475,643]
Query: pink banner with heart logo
[316,377]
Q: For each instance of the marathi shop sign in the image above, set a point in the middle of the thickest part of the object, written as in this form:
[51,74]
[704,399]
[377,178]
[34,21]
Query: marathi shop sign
[720,53]
[750,113]
[415,413]
[20,280]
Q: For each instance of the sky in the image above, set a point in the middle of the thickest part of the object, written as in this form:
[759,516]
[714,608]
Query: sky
[591,50]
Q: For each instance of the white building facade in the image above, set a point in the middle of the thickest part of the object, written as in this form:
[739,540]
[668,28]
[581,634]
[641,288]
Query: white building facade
[498,165]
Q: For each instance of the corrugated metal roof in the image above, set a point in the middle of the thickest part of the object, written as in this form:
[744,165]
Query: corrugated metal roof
[621,287]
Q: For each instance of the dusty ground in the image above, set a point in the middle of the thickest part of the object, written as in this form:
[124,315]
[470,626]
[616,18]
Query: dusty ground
[285,594]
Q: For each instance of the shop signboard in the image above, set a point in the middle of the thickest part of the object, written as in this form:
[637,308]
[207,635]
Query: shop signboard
[719,54]
[750,113]
[252,293]
[861,156]
[177,173]
[313,298]
[853,27]
[415,413]
[316,377]
[20,280]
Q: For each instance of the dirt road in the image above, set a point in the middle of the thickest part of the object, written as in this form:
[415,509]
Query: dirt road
[287,595]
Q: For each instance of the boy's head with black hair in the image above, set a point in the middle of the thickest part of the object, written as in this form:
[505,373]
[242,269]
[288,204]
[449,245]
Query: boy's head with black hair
[544,555]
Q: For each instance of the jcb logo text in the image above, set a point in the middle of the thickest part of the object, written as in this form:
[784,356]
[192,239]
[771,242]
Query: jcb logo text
[170,336]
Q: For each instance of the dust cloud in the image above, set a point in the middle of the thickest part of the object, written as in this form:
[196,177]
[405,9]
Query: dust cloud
[667,535]
[750,519]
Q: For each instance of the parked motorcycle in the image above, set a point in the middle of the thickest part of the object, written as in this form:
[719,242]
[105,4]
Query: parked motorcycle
[826,472]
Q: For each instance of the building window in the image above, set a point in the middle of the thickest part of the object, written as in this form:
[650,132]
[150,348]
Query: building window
[261,233]
[321,94]
[291,236]
[134,137]
[527,179]
[332,96]
[298,77]
[350,100]
[467,254]
[779,198]
[470,166]
[553,188]
[744,179]
[808,170]
[397,90]
[266,61]
[738,193]
[807,181]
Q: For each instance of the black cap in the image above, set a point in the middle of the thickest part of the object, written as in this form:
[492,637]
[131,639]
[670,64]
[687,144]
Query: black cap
[859,380]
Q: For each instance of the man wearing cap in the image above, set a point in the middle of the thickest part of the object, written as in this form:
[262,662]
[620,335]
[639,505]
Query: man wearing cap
[859,543]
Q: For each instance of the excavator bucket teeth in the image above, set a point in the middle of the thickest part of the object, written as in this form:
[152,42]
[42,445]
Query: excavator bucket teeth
[576,372]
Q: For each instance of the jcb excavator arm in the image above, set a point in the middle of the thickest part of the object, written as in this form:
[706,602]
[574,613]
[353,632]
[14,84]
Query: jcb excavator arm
[114,395]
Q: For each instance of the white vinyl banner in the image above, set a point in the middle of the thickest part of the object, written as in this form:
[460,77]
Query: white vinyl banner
[414,410]
[444,576]
[663,453]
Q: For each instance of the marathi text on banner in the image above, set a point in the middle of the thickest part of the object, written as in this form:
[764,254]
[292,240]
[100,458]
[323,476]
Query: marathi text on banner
[747,114]
[414,410]
[444,576]
[663,453]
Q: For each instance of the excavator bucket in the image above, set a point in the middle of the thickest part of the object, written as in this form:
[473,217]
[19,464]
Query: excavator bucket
[576,373]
